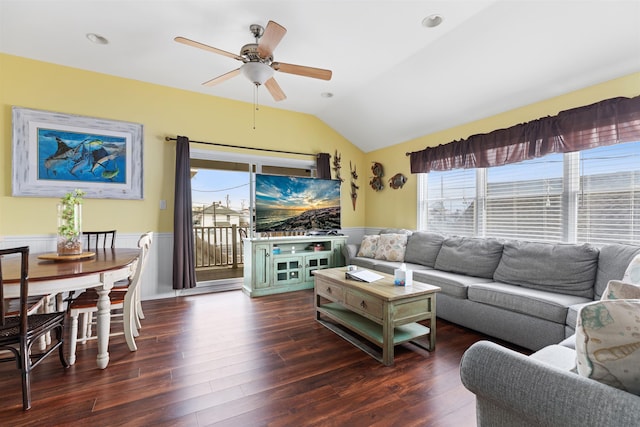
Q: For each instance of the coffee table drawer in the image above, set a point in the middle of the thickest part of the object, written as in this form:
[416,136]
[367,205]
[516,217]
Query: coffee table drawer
[331,292]
[414,310]
[367,305]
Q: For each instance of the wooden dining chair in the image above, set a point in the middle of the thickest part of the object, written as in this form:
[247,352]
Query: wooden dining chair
[93,238]
[19,332]
[86,304]
[35,304]
[108,239]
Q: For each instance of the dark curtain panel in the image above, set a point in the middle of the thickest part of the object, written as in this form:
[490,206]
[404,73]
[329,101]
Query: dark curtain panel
[184,274]
[323,165]
[608,122]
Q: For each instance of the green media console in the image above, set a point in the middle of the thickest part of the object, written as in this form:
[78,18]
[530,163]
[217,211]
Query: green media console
[285,264]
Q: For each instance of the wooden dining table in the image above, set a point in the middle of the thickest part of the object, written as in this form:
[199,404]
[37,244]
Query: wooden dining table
[55,276]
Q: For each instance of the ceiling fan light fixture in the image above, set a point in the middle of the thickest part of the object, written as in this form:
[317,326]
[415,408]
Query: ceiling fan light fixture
[257,72]
[432,21]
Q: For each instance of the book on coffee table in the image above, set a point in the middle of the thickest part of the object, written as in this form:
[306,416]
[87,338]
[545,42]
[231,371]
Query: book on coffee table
[363,276]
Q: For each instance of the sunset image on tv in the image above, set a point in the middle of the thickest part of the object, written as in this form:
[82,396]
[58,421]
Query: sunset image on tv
[288,203]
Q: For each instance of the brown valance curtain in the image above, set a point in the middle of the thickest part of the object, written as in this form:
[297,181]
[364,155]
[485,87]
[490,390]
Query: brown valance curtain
[607,122]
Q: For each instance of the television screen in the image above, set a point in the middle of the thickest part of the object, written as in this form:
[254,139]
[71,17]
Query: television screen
[291,203]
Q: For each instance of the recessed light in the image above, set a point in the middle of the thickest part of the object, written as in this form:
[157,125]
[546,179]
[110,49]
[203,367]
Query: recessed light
[97,39]
[432,21]
[326,95]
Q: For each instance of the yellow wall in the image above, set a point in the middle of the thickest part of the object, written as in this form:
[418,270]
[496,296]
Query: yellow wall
[163,112]
[398,208]
[169,112]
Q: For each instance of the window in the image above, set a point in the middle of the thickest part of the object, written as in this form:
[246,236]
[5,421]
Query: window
[588,196]
[524,200]
[451,205]
[609,197]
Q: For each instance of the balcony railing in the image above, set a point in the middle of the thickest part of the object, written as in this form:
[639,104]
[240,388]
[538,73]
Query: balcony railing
[219,246]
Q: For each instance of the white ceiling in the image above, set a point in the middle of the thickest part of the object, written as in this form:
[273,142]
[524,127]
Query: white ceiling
[393,79]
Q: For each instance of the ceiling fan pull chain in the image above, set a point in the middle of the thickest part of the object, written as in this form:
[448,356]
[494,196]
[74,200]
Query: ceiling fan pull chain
[255,105]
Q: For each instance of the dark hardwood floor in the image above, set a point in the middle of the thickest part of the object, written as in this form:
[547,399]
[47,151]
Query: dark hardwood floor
[225,359]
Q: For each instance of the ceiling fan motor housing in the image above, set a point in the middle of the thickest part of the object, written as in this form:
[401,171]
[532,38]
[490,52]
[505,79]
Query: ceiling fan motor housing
[250,52]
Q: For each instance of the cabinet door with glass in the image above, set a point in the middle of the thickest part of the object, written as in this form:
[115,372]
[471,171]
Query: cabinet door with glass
[287,270]
[316,262]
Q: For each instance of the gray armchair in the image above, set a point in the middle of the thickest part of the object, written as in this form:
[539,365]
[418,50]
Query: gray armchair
[514,390]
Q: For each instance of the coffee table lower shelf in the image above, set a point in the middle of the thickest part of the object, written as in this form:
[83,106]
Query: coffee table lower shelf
[367,329]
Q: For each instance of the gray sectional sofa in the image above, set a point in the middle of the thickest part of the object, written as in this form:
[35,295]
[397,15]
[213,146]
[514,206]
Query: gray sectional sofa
[526,293]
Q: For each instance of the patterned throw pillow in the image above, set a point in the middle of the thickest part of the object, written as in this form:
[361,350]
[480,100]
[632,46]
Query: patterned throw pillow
[608,343]
[391,247]
[620,290]
[368,246]
[632,274]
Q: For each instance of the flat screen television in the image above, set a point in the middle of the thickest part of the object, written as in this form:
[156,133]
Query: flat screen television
[291,203]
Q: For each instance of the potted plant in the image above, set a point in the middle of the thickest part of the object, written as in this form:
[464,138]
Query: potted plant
[70,223]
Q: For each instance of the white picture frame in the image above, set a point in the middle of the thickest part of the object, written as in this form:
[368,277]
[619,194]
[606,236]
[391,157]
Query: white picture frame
[55,153]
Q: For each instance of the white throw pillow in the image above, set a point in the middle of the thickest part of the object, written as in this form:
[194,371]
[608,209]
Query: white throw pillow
[368,246]
[608,343]
[632,274]
[620,290]
[391,247]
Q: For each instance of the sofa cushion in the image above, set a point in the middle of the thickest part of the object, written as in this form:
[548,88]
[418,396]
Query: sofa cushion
[555,267]
[613,260]
[452,284]
[391,247]
[350,251]
[389,267]
[396,231]
[471,256]
[632,273]
[617,289]
[538,303]
[423,248]
[368,246]
[364,262]
[569,342]
[608,343]
[572,315]
[560,356]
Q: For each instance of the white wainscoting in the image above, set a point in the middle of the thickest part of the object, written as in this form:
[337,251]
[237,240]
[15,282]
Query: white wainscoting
[157,281]
[157,278]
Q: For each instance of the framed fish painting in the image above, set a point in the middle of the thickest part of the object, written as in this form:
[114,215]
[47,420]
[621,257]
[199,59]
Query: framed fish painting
[55,153]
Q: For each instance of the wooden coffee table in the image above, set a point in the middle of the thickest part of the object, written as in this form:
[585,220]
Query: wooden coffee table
[379,312]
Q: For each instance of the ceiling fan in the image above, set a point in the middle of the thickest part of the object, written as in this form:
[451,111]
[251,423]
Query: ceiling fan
[258,64]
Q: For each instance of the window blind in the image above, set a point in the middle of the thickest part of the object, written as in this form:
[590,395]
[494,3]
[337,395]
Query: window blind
[451,205]
[524,200]
[609,197]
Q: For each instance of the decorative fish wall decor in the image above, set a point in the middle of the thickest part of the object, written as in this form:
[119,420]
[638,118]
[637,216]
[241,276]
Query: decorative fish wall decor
[378,172]
[397,181]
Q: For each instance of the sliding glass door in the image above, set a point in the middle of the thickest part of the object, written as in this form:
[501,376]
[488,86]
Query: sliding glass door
[222,208]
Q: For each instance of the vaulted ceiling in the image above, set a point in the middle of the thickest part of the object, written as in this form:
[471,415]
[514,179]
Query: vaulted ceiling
[394,79]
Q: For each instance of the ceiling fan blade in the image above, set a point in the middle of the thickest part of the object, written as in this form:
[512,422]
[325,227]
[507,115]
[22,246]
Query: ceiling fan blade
[270,39]
[316,73]
[203,46]
[222,78]
[274,89]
